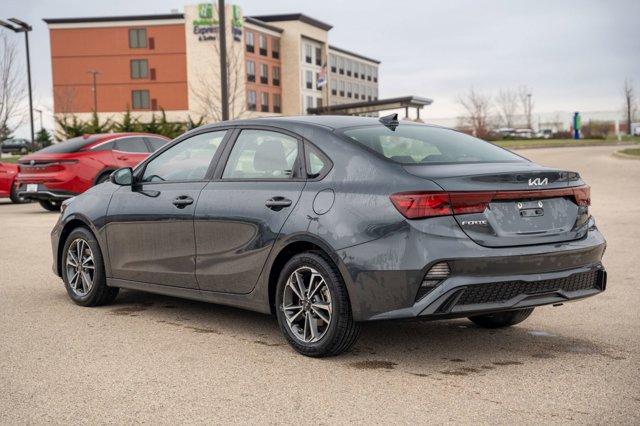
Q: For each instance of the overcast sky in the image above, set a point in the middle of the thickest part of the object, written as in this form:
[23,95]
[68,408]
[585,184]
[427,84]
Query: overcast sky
[574,55]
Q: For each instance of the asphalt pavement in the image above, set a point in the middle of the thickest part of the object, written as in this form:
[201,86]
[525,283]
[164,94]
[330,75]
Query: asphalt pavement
[160,360]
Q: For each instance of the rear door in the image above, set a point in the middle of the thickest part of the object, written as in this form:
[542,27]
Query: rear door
[129,151]
[150,226]
[241,212]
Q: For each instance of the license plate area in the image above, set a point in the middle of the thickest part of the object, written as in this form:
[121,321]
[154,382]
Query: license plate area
[32,187]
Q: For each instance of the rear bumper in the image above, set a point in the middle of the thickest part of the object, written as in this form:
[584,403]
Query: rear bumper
[384,275]
[44,193]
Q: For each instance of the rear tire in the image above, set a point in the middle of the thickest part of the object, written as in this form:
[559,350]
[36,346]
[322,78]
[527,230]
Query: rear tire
[501,319]
[15,198]
[305,329]
[52,206]
[93,291]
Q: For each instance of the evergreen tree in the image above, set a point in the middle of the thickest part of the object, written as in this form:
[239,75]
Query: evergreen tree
[43,138]
[127,124]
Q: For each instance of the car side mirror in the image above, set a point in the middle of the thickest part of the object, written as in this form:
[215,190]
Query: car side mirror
[122,177]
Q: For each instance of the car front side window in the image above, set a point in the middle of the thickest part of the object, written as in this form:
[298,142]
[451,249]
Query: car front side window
[189,160]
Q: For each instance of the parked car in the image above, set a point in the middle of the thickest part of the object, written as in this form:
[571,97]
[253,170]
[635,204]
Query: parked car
[17,146]
[327,222]
[66,169]
[8,174]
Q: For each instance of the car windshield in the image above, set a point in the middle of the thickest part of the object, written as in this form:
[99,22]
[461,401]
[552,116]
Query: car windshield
[419,144]
[71,145]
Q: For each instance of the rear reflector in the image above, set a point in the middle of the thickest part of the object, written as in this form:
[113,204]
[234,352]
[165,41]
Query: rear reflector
[415,205]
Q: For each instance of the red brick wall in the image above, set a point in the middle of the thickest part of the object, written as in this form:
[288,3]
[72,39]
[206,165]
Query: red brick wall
[74,51]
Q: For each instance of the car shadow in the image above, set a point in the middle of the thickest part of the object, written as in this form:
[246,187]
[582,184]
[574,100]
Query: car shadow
[418,347]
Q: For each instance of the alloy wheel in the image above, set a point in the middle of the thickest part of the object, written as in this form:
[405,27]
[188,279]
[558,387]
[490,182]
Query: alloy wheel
[306,304]
[80,267]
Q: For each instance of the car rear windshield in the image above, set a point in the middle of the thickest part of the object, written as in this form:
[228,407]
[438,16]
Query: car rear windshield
[71,145]
[419,144]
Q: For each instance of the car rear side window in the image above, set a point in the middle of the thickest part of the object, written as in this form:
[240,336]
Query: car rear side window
[418,144]
[156,143]
[262,154]
[135,144]
[188,160]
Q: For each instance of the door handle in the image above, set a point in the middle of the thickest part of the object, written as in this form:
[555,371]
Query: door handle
[123,158]
[182,201]
[277,203]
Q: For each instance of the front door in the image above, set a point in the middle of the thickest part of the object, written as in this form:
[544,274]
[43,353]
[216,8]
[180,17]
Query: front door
[239,215]
[150,226]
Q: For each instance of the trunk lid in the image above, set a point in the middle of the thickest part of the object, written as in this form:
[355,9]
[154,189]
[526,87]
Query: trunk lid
[524,203]
[42,165]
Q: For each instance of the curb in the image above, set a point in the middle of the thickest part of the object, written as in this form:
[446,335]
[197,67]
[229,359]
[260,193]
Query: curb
[620,154]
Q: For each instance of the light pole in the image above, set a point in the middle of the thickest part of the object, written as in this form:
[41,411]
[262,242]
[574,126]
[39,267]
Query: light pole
[95,90]
[23,27]
[222,33]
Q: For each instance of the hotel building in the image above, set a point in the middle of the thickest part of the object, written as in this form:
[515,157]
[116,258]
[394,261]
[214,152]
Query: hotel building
[170,62]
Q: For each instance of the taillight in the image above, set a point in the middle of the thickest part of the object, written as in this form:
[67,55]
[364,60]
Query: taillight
[582,194]
[414,205]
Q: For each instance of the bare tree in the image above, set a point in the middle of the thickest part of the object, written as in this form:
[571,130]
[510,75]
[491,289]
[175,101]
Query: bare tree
[477,108]
[206,91]
[525,96]
[12,87]
[507,103]
[630,106]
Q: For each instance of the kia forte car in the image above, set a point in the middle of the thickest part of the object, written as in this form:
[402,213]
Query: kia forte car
[328,222]
[69,168]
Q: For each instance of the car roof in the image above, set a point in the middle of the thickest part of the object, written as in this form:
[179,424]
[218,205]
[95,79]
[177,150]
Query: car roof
[332,122]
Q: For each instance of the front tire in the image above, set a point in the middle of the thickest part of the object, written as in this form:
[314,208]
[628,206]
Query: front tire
[501,319]
[313,307]
[52,206]
[83,270]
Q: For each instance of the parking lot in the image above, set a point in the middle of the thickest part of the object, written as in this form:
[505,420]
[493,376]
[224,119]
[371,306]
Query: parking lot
[157,359]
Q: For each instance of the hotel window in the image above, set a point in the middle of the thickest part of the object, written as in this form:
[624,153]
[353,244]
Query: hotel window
[318,56]
[341,87]
[363,70]
[140,99]
[375,94]
[275,48]
[264,102]
[348,67]
[363,93]
[138,38]
[334,87]
[375,74]
[309,102]
[276,102]
[319,102]
[264,74]
[309,79]
[139,68]
[356,69]
[275,75]
[332,63]
[251,71]
[249,41]
[262,39]
[349,90]
[368,73]
[356,91]
[369,93]
[340,65]
[251,100]
[308,51]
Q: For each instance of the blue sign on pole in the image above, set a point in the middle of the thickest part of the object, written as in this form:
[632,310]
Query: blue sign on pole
[577,124]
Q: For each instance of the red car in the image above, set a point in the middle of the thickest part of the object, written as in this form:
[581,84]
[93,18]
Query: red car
[66,169]
[8,174]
